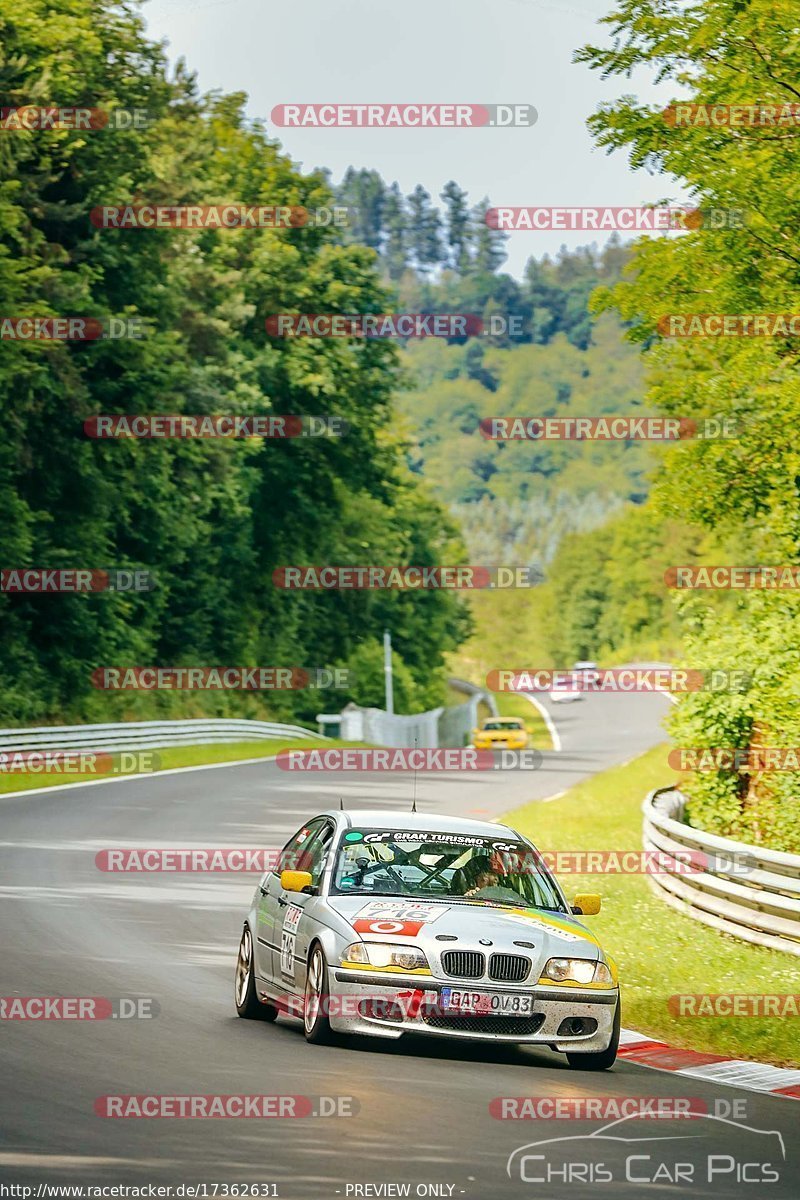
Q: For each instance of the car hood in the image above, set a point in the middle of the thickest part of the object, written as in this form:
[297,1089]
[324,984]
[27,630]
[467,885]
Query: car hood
[461,925]
[499,735]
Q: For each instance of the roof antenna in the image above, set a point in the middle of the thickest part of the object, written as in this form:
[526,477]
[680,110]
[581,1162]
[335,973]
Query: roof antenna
[414,797]
[341,804]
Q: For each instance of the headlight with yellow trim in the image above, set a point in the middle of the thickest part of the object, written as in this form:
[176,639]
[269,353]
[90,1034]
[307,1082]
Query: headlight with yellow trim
[385,954]
[576,970]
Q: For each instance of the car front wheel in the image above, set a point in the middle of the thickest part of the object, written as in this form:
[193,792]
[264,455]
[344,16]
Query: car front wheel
[245,995]
[316,1023]
[598,1060]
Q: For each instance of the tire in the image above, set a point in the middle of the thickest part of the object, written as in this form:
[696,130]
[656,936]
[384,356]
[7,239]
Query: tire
[316,1022]
[248,1004]
[598,1060]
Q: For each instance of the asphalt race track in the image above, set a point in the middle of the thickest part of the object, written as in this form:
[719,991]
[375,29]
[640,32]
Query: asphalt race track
[423,1119]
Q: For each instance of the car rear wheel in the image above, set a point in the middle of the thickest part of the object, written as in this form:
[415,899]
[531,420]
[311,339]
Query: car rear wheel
[598,1060]
[316,1023]
[247,1001]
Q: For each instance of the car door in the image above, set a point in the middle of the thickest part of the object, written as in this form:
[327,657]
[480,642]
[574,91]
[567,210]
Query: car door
[301,914]
[272,902]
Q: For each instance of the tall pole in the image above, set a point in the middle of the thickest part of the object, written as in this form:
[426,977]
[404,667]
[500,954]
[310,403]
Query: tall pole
[387,670]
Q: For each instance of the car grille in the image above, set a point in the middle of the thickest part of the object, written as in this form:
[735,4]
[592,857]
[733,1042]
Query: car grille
[489,1024]
[509,968]
[463,964]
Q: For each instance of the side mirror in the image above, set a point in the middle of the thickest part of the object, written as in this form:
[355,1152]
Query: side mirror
[295,881]
[586,904]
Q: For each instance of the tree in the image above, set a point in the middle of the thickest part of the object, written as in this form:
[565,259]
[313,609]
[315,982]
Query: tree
[744,490]
[458,225]
[395,248]
[489,243]
[364,194]
[211,519]
[424,231]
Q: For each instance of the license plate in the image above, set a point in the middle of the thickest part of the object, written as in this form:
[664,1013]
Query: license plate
[486,1003]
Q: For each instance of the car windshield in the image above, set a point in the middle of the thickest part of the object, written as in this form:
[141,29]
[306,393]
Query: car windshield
[443,866]
[493,726]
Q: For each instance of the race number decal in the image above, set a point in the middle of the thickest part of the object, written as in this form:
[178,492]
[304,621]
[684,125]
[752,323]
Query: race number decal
[400,911]
[384,926]
[288,939]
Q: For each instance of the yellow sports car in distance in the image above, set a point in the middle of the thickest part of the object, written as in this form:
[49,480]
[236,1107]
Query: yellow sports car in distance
[501,733]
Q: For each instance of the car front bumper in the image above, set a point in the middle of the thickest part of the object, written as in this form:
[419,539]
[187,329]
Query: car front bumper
[408,1004]
[499,744]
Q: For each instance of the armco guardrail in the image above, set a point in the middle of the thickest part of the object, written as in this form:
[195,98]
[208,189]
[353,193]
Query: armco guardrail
[135,735]
[451,726]
[747,891]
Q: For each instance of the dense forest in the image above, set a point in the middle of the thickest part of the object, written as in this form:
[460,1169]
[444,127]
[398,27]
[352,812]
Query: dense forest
[211,519]
[413,480]
[550,356]
[603,520]
[741,497]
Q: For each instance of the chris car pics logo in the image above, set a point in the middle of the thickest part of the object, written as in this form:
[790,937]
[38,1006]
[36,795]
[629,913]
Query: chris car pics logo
[710,1149]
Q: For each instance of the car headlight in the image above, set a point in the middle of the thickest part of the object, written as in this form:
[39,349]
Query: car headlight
[385,954]
[577,970]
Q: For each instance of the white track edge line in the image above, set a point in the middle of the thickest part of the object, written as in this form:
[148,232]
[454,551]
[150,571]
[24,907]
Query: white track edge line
[63,787]
[548,720]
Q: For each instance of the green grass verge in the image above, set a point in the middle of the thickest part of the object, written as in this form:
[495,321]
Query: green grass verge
[173,756]
[659,951]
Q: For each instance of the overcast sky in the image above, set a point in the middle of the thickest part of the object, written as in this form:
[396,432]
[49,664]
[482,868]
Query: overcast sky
[470,51]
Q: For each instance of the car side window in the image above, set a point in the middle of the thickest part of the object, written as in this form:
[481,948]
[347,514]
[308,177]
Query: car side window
[318,851]
[295,855]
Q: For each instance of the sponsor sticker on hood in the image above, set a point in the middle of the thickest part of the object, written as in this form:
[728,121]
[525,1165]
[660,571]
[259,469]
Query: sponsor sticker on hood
[396,917]
[402,910]
[553,925]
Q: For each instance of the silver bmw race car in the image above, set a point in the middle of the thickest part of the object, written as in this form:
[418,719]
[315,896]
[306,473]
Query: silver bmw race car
[383,923]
